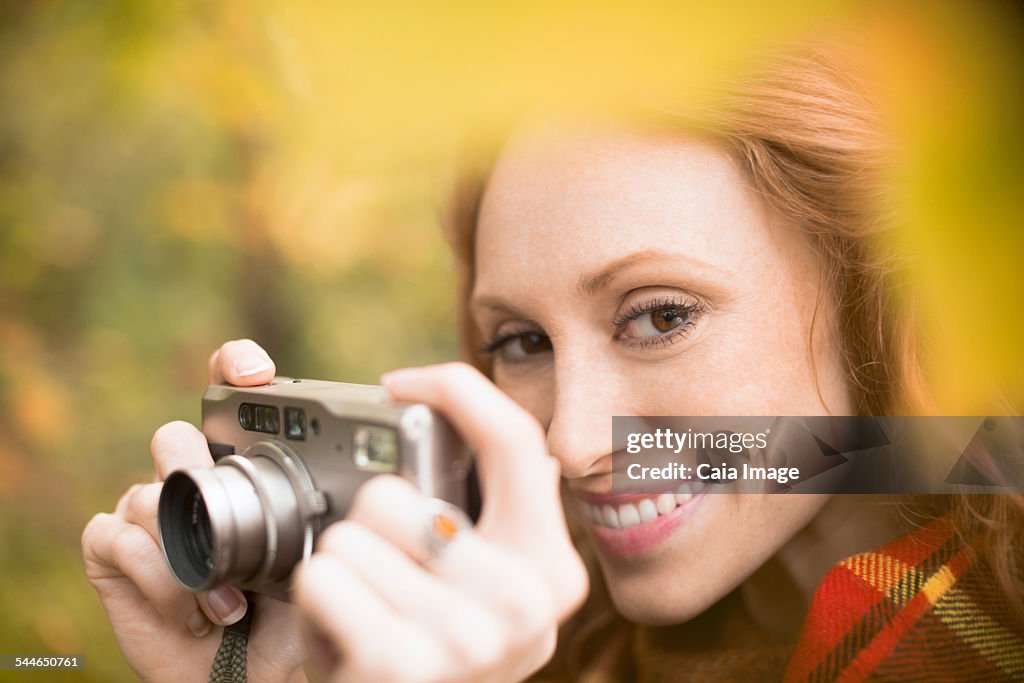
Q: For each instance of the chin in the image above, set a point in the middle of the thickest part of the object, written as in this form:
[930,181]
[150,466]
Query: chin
[658,601]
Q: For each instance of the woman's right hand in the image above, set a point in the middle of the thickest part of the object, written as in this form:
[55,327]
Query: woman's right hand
[166,632]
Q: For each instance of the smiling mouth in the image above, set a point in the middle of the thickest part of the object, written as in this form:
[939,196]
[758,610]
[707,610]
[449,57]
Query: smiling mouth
[626,515]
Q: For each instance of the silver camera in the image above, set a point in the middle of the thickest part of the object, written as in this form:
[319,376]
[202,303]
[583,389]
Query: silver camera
[289,458]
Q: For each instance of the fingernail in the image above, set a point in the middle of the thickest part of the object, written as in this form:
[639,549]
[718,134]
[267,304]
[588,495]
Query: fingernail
[228,604]
[198,624]
[251,365]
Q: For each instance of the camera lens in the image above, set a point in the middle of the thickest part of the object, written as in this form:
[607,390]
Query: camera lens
[230,523]
[200,538]
[185,530]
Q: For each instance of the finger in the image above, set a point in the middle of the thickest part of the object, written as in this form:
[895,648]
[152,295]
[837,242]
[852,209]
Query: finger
[278,625]
[242,362]
[506,581]
[474,634]
[139,506]
[491,423]
[223,605]
[179,445]
[117,592]
[521,501]
[129,550]
[360,623]
[122,503]
[394,510]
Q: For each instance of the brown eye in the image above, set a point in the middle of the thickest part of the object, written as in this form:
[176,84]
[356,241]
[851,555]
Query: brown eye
[666,319]
[516,348]
[534,343]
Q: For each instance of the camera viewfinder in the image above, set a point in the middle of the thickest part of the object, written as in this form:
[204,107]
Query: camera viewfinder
[295,424]
[258,418]
[376,448]
[246,417]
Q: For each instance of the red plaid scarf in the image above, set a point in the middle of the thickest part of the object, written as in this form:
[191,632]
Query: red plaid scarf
[919,608]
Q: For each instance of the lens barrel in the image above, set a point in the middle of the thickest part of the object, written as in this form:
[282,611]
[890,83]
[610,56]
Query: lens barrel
[236,522]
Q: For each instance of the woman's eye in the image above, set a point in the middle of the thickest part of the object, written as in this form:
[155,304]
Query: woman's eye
[666,319]
[520,346]
[657,323]
[534,343]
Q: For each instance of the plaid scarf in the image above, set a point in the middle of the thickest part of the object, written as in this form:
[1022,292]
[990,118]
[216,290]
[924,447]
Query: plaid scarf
[920,608]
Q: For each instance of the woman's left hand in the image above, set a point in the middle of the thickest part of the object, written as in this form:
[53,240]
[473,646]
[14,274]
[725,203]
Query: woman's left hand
[488,605]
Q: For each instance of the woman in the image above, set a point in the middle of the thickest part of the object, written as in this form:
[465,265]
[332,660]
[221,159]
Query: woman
[722,264]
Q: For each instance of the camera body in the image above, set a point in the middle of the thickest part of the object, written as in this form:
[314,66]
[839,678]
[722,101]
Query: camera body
[290,456]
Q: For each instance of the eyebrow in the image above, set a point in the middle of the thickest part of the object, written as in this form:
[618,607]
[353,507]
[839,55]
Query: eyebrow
[498,305]
[591,283]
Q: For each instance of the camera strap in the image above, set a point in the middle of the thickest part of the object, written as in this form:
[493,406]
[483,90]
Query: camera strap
[230,662]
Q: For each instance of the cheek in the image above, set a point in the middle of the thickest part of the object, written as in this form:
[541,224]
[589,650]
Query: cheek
[754,360]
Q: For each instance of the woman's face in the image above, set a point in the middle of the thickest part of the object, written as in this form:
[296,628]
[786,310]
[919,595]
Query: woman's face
[628,274]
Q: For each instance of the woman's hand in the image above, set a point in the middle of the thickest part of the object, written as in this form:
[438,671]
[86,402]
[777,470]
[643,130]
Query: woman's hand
[488,606]
[166,632]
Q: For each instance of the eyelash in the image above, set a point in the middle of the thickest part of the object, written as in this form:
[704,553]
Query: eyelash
[493,345]
[691,311]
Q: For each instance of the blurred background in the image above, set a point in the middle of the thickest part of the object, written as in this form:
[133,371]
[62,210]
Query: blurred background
[177,174]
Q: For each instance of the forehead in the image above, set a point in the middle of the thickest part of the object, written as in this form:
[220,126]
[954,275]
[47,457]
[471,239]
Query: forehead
[560,203]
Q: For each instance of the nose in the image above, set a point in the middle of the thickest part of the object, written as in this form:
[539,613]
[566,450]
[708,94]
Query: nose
[579,433]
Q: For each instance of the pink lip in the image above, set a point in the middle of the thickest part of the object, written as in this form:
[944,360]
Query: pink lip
[645,537]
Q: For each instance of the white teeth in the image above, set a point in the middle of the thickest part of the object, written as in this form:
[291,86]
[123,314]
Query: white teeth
[648,511]
[628,516]
[611,517]
[683,494]
[666,503]
[643,511]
